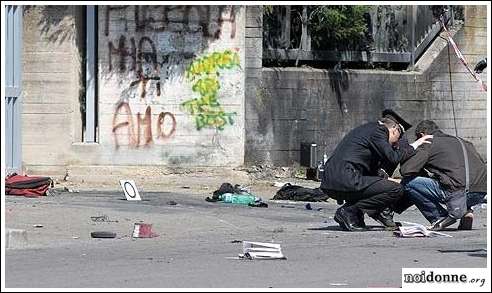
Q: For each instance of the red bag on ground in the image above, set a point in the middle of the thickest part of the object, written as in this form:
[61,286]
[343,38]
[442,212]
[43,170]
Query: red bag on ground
[27,186]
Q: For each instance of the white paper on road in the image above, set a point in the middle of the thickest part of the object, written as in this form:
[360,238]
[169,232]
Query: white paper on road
[417,230]
[261,250]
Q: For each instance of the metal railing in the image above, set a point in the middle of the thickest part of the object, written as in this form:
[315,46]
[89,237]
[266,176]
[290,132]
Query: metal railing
[397,34]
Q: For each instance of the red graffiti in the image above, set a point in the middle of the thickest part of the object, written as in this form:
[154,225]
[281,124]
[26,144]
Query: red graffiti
[160,122]
[128,123]
[144,126]
[148,127]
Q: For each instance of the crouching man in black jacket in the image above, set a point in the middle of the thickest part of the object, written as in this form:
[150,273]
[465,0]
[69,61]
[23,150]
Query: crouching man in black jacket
[353,172]
[436,176]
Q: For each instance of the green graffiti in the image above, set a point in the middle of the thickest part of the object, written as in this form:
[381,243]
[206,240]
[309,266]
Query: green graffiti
[204,75]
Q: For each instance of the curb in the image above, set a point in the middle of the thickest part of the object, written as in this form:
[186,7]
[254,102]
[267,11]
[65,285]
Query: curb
[15,238]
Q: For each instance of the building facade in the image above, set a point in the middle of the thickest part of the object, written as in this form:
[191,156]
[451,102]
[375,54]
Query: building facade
[136,87]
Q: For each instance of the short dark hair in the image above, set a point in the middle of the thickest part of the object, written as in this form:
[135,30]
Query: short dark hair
[425,127]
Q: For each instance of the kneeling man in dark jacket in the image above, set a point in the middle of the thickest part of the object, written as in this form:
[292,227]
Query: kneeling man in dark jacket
[449,172]
[353,172]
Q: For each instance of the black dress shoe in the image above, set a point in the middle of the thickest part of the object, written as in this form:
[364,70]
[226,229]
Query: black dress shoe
[357,216]
[385,218]
[345,218]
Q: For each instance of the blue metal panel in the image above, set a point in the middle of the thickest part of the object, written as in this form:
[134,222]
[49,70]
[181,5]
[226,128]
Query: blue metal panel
[17,47]
[13,88]
[9,51]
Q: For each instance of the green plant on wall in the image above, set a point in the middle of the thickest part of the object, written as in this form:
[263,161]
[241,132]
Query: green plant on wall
[344,24]
[204,75]
[330,26]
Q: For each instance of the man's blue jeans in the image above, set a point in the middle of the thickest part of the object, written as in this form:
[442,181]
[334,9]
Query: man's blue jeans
[429,197]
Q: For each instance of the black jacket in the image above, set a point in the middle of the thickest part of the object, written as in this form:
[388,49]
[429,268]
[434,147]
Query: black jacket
[444,159]
[363,151]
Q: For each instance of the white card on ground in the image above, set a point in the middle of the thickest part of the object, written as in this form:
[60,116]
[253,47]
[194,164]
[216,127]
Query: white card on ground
[130,190]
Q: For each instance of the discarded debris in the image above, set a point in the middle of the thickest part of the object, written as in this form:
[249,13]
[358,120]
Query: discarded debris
[308,206]
[38,226]
[142,230]
[236,195]
[52,192]
[185,187]
[416,230]
[236,241]
[258,204]
[299,193]
[103,234]
[75,237]
[172,203]
[260,250]
[103,218]
[28,186]
[70,190]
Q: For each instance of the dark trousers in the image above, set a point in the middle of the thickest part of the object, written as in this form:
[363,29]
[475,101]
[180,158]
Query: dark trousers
[374,198]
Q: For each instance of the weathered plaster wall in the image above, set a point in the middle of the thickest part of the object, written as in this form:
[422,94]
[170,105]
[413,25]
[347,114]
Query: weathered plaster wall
[170,87]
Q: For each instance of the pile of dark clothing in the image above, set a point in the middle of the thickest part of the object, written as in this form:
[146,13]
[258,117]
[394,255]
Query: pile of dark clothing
[236,190]
[225,188]
[299,193]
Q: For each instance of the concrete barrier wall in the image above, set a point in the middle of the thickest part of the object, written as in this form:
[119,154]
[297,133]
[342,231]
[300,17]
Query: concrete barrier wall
[310,105]
[321,106]
[51,73]
[170,87]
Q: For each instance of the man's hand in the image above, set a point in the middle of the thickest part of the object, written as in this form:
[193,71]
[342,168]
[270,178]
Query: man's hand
[420,141]
[394,180]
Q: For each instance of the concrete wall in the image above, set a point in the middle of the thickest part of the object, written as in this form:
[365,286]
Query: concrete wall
[254,47]
[460,90]
[187,116]
[310,105]
[170,88]
[321,106]
[51,70]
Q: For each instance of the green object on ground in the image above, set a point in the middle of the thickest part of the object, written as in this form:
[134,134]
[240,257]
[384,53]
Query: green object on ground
[238,198]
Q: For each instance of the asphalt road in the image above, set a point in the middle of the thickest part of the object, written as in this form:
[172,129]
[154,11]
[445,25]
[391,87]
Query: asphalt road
[198,245]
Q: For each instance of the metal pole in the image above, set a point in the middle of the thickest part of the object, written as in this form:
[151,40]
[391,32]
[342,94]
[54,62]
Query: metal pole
[90,97]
